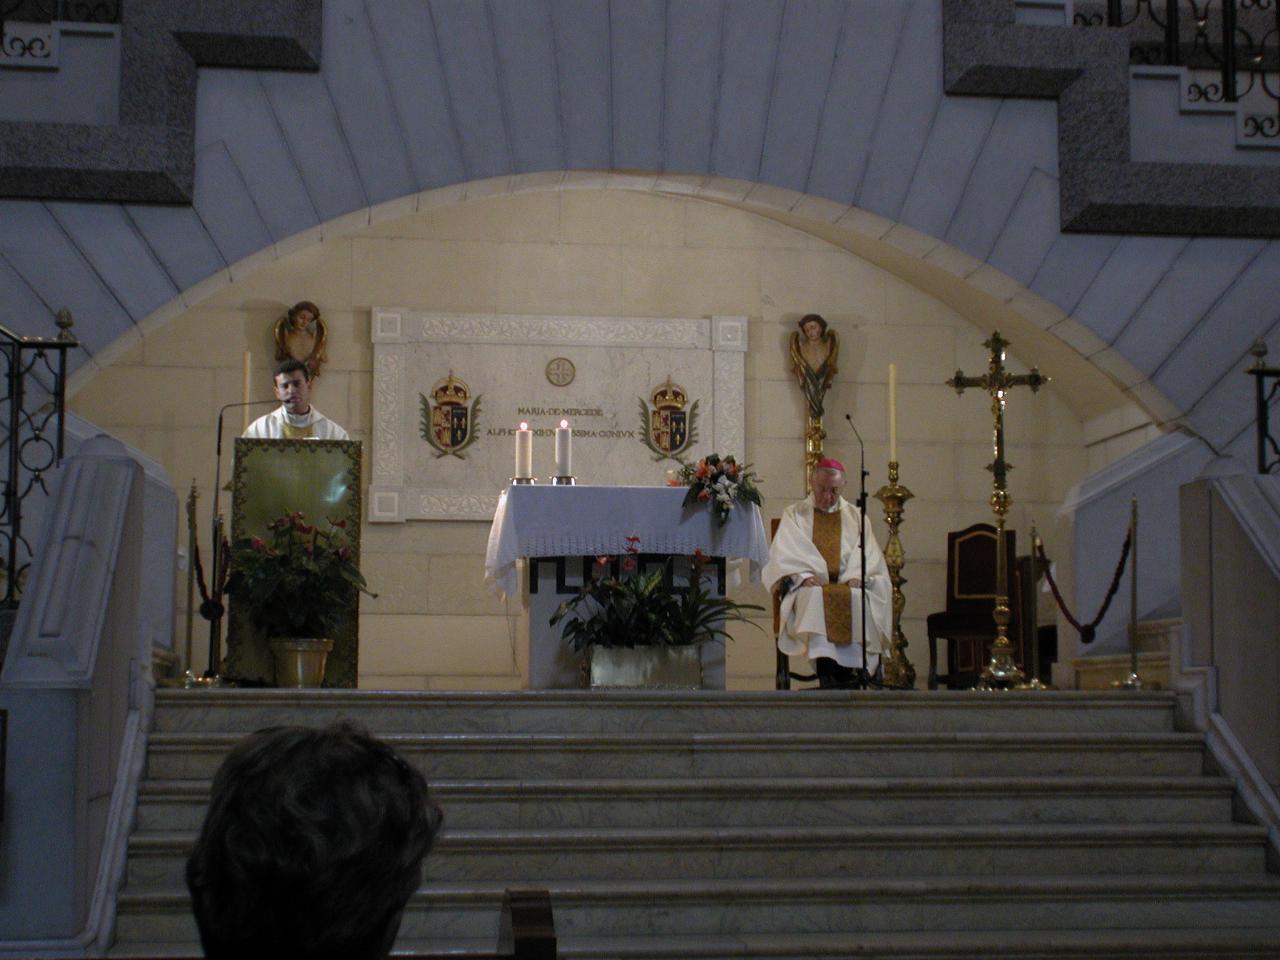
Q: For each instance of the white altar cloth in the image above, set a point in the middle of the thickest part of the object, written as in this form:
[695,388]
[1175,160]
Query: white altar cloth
[550,521]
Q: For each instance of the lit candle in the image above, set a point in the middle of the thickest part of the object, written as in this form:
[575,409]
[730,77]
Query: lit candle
[524,452]
[564,456]
[248,370]
[893,413]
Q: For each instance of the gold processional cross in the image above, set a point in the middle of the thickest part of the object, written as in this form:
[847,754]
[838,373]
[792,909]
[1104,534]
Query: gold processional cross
[1002,671]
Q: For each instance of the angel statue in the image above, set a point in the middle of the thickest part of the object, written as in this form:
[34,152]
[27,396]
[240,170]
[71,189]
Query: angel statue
[814,350]
[301,334]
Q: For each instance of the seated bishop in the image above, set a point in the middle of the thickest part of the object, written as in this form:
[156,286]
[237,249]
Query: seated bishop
[814,562]
[295,418]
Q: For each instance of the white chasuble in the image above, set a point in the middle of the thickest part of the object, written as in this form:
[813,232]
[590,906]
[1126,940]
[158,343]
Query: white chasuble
[795,556]
[280,424]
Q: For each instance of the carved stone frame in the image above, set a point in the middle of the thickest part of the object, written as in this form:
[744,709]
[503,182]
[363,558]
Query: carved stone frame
[394,497]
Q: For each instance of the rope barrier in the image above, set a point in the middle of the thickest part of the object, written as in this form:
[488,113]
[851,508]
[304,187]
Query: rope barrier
[1087,630]
[211,607]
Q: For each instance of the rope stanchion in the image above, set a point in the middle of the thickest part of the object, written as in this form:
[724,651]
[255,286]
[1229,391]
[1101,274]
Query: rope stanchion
[1087,630]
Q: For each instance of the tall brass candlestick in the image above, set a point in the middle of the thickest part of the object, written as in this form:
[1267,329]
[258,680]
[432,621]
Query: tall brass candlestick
[898,671]
[813,437]
[1002,671]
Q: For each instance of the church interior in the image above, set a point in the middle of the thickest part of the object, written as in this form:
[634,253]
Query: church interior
[497,207]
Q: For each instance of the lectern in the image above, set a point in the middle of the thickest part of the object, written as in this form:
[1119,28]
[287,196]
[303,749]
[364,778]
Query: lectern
[320,478]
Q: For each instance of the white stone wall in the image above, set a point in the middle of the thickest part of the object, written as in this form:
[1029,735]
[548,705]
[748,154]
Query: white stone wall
[597,252]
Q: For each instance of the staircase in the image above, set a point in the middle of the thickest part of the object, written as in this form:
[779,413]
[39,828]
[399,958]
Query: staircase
[804,824]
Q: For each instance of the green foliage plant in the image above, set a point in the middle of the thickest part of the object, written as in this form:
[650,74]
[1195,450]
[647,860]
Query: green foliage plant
[642,610]
[301,581]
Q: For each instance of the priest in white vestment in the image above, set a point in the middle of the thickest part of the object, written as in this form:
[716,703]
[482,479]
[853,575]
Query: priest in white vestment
[814,558]
[295,418]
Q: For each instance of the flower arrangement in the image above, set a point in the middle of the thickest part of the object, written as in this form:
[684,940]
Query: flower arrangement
[644,610]
[720,482]
[299,582]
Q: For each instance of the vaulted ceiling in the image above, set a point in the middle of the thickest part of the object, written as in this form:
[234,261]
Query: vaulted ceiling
[834,110]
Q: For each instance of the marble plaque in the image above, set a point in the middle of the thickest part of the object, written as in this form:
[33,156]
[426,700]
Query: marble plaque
[642,395]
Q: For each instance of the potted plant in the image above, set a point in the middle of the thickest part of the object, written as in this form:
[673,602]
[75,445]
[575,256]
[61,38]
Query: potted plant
[640,630]
[299,585]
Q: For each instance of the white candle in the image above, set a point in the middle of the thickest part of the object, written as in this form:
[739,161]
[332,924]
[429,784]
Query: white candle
[893,413]
[248,386]
[564,454]
[524,452]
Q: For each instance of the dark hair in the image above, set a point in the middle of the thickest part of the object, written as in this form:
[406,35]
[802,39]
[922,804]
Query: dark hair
[312,846]
[290,365]
[811,316]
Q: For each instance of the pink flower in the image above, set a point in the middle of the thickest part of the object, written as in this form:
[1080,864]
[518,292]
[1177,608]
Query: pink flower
[629,563]
[258,543]
[704,496]
[341,524]
[702,471]
[603,560]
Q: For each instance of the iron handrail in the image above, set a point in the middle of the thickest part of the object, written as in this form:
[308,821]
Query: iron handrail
[1263,398]
[34,441]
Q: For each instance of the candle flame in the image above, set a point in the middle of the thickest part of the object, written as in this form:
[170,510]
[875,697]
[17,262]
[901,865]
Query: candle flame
[564,423]
[524,425]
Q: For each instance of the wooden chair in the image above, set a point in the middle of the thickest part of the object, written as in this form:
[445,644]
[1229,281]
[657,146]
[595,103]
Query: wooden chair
[967,623]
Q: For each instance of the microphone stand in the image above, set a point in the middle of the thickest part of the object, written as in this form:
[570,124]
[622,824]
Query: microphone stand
[864,680]
[217,560]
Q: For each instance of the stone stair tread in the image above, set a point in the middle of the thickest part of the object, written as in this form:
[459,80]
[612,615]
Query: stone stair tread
[958,945]
[869,834]
[174,740]
[843,888]
[871,945]
[738,786]
[552,710]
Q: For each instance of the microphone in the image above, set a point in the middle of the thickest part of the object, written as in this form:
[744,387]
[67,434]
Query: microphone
[215,547]
[230,406]
[864,678]
[855,430]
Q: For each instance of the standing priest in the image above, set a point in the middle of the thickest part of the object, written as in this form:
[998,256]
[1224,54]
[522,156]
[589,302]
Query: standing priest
[814,563]
[295,418]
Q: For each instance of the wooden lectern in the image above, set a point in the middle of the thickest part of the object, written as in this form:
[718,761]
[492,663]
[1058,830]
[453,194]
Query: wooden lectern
[320,478]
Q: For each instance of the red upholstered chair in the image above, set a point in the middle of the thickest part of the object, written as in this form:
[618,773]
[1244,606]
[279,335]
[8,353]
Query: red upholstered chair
[967,623]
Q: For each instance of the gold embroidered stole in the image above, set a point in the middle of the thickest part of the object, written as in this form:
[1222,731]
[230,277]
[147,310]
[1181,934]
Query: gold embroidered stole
[835,596]
[297,433]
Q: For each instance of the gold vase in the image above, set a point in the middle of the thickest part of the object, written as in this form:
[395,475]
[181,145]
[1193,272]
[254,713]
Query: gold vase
[300,662]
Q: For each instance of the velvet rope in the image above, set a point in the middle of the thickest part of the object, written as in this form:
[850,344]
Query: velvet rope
[211,607]
[1087,630]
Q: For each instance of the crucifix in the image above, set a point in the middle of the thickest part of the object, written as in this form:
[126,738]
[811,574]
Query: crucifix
[1001,672]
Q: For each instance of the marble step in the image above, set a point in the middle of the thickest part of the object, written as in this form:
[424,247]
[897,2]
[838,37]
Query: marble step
[533,857]
[956,945]
[863,944]
[177,805]
[706,907]
[643,755]
[632,711]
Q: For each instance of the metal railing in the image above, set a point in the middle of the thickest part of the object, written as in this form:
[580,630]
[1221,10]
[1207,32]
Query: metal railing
[1266,381]
[32,418]
[46,11]
[1238,40]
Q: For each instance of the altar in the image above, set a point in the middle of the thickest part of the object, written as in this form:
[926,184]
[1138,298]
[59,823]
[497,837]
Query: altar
[559,531]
